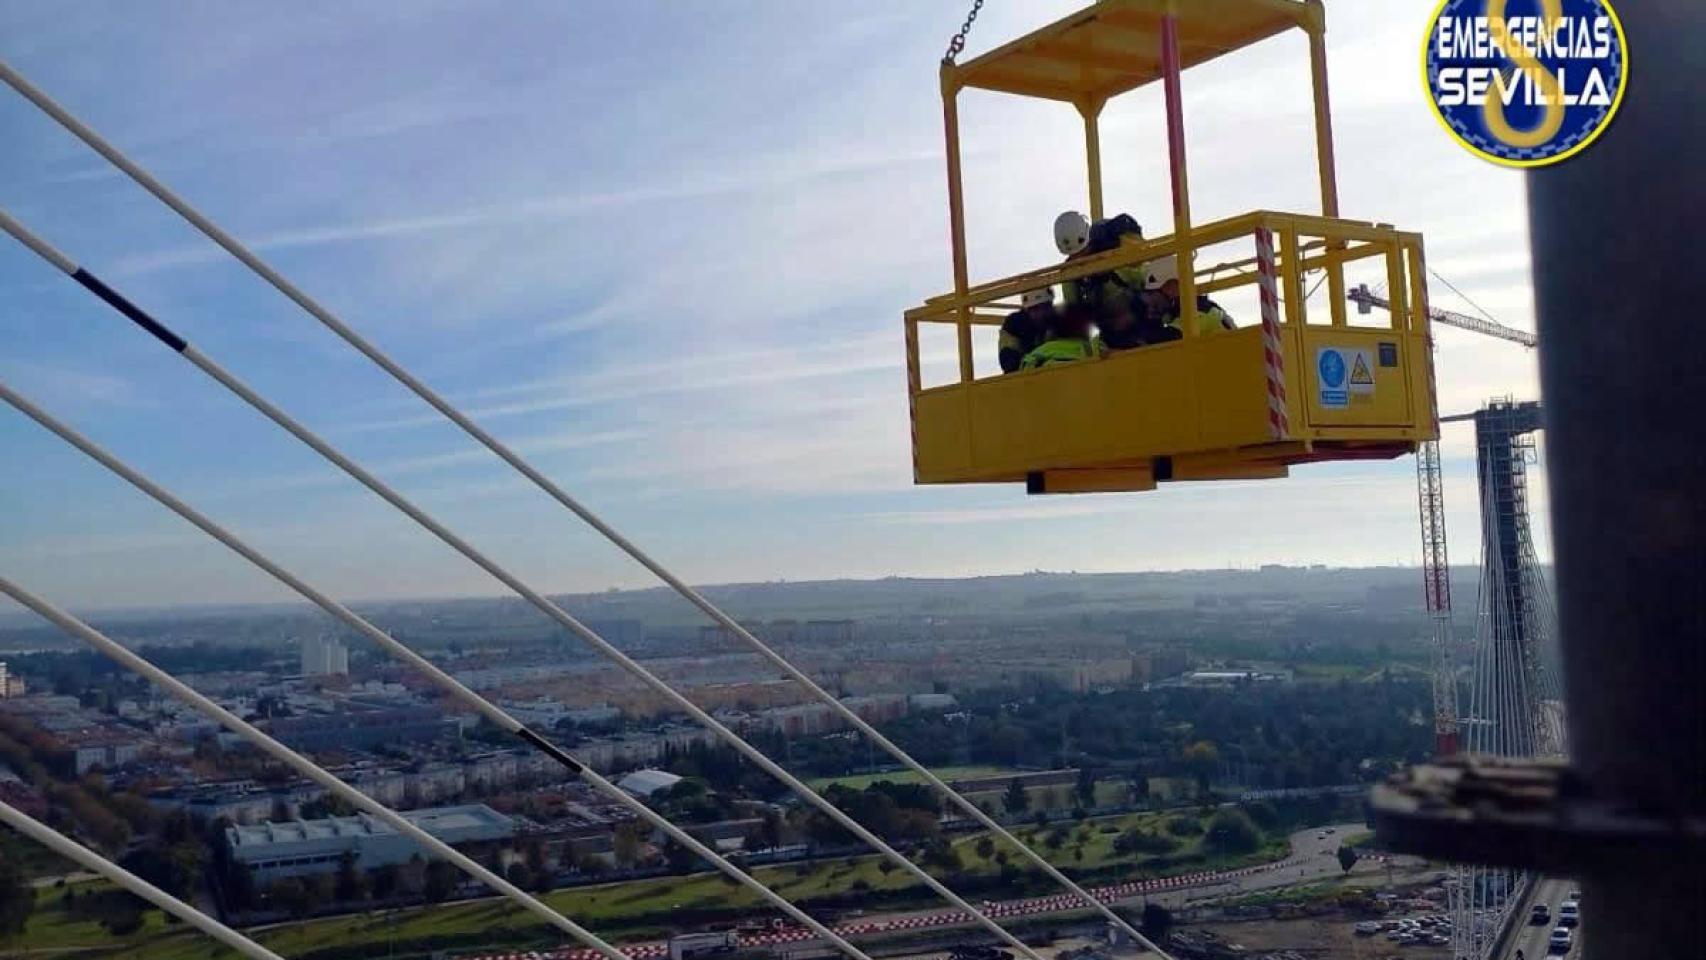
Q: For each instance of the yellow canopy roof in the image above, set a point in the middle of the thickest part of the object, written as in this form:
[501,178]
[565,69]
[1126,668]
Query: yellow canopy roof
[1115,46]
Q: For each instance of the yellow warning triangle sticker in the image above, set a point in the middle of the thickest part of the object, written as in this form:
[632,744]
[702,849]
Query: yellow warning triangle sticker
[1359,371]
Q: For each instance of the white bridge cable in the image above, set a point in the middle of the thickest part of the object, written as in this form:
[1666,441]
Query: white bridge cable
[165,335]
[95,863]
[437,676]
[248,258]
[297,761]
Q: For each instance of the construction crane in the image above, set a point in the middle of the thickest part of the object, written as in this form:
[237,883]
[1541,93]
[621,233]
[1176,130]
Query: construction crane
[1466,893]
[1430,500]
[1366,300]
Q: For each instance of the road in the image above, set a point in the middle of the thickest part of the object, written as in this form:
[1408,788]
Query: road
[1531,940]
[1313,857]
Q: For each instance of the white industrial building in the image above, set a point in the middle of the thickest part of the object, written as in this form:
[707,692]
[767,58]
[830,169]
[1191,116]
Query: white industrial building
[324,656]
[300,847]
[644,783]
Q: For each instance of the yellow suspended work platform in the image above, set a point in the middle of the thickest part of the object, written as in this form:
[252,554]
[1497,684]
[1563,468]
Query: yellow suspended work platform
[1286,387]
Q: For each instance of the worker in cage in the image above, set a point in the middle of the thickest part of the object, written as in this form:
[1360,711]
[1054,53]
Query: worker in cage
[1161,298]
[1114,296]
[1026,328]
[1076,238]
[1069,339]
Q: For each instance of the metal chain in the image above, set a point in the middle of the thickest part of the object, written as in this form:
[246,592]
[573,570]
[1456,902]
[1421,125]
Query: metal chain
[958,43]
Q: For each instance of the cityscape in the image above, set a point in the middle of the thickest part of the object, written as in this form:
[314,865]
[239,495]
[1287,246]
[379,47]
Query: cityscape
[1148,480]
[1331,664]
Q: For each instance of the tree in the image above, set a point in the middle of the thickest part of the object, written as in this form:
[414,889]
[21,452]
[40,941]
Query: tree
[1202,758]
[1135,841]
[1157,920]
[764,835]
[126,921]
[1263,814]
[1183,826]
[942,854]
[533,851]
[413,875]
[17,897]
[1230,831]
[1016,800]
[440,881]
[1085,788]
[387,881]
[917,826]
[625,845]
[172,869]
[519,874]
[1347,857]
[351,885]
[985,848]
[292,895]
[679,857]
[330,805]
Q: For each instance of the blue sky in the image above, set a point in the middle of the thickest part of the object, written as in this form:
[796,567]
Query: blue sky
[662,249]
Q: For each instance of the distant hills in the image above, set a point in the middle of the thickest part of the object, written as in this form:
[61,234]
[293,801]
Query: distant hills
[1021,595]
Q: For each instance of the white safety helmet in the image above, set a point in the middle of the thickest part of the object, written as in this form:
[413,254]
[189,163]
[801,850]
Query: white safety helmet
[1036,298]
[1161,271]
[1071,232]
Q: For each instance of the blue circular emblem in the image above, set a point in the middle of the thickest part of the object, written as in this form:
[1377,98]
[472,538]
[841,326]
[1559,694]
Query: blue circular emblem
[1524,83]
[1332,369]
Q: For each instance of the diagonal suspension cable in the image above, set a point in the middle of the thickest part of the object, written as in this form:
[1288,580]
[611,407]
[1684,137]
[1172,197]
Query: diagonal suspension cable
[298,762]
[437,676]
[249,259]
[184,349]
[95,863]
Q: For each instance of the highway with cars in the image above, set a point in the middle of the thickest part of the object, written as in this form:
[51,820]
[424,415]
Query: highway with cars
[1530,938]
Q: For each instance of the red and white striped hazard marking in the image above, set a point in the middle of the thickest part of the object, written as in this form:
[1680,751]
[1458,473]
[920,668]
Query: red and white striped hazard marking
[1027,906]
[1273,361]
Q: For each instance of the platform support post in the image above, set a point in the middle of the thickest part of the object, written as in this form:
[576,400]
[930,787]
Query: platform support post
[1176,165]
[1091,111]
[1316,27]
[956,215]
[1317,30]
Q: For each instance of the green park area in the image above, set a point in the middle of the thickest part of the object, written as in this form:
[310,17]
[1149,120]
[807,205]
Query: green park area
[1058,799]
[1097,850]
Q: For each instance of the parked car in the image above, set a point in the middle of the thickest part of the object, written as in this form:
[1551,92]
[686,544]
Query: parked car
[1540,916]
[1367,928]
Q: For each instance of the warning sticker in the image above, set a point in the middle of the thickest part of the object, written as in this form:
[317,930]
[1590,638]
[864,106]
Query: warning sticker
[1362,379]
[1343,375]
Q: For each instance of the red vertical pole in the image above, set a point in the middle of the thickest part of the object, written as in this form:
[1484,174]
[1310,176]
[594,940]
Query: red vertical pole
[1175,124]
[1181,187]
